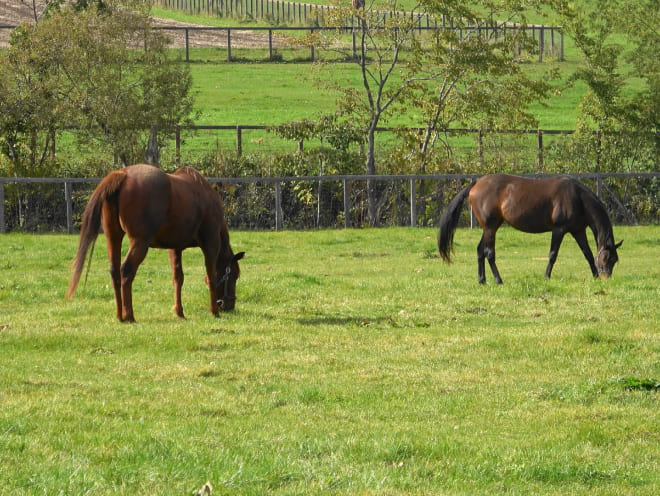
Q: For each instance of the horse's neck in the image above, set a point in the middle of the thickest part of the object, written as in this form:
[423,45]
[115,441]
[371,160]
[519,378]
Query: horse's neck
[599,221]
[225,248]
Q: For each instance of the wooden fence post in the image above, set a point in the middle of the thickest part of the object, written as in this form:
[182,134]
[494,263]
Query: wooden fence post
[187,45]
[270,45]
[177,144]
[239,141]
[413,204]
[69,207]
[278,206]
[228,45]
[2,208]
[599,179]
[347,204]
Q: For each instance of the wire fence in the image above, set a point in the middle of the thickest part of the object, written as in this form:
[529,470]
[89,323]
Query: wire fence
[311,202]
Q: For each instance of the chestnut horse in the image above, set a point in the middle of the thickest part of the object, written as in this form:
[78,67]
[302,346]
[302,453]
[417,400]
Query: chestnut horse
[557,204]
[174,211]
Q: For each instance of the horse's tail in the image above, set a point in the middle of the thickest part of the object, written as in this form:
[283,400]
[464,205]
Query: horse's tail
[449,221]
[91,222]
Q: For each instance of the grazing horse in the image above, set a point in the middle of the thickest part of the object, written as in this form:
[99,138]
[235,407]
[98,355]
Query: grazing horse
[557,204]
[174,211]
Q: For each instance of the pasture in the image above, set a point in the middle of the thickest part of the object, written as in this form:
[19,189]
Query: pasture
[356,362]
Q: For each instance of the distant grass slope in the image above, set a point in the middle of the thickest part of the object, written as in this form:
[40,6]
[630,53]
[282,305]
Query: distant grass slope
[257,92]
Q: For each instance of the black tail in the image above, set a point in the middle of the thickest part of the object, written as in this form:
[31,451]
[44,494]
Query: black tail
[448,223]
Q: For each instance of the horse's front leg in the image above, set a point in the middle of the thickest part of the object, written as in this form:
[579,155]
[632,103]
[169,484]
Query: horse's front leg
[555,243]
[581,238]
[211,278]
[177,279]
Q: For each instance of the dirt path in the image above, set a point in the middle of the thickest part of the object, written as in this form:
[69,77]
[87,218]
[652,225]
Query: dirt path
[13,12]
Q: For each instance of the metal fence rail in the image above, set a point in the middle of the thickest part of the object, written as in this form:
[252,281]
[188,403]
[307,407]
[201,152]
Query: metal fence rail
[62,211]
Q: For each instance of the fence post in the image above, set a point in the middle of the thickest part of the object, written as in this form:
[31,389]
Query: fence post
[2,208]
[228,45]
[413,204]
[69,207]
[239,141]
[354,44]
[540,150]
[270,45]
[599,179]
[347,204]
[177,144]
[278,206]
[187,46]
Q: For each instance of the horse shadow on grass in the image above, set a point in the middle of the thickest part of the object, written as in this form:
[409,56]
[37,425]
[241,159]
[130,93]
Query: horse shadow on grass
[349,320]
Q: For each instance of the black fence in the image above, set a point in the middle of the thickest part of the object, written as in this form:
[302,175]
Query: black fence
[238,44]
[56,204]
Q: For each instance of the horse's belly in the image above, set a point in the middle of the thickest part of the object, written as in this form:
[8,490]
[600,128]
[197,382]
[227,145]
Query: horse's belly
[173,239]
[534,220]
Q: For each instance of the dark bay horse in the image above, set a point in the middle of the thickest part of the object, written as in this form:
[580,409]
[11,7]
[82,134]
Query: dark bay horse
[173,211]
[558,204]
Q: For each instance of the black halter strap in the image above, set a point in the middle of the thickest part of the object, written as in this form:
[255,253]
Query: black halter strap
[225,279]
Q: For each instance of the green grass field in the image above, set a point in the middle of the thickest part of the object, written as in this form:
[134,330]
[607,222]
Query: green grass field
[256,92]
[356,363]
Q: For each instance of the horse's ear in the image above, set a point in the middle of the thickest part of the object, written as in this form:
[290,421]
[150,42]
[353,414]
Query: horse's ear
[238,256]
[618,244]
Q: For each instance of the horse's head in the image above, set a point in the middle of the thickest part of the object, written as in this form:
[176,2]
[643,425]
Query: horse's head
[225,285]
[606,258]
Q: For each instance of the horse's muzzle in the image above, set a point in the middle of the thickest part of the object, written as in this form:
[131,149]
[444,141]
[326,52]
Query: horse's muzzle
[227,304]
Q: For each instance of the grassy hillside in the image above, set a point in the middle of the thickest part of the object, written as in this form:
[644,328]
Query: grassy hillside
[257,92]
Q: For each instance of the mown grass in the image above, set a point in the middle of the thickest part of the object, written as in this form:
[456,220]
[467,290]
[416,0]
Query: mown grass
[356,363]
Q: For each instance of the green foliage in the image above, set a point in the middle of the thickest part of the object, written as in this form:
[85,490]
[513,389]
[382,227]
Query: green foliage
[634,383]
[624,122]
[102,70]
[355,363]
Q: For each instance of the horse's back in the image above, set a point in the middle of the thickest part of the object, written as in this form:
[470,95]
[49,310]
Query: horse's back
[530,205]
[196,216]
[144,200]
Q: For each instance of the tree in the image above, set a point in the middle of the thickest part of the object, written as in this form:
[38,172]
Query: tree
[99,67]
[619,42]
[468,73]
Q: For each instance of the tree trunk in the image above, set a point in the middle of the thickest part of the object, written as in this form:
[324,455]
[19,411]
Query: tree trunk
[371,171]
[152,157]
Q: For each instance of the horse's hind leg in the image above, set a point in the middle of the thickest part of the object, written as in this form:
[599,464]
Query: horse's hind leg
[581,238]
[177,277]
[134,257]
[114,236]
[486,251]
[481,261]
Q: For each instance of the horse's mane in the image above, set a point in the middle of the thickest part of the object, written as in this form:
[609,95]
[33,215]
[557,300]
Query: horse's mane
[224,231]
[192,172]
[602,226]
